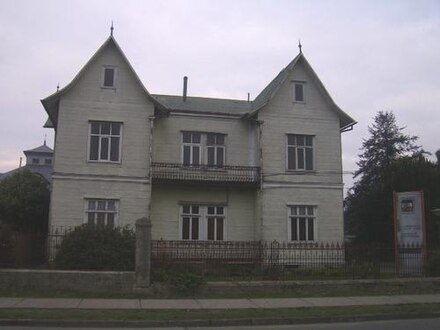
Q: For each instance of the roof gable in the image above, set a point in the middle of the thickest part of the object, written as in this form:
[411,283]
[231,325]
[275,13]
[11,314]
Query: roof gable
[272,88]
[51,103]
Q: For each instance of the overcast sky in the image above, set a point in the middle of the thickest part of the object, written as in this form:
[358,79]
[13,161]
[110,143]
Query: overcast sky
[370,55]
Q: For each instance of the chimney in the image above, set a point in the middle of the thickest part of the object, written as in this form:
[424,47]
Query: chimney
[185,87]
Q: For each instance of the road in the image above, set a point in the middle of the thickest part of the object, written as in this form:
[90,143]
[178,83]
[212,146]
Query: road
[418,324]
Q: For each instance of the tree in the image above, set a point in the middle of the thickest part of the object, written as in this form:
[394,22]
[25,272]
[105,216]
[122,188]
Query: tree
[386,144]
[384,166]
[24,201]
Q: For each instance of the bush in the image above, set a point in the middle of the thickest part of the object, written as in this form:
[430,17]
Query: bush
[90,247]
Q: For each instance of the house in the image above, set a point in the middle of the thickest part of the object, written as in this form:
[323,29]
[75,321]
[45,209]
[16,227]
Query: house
[38,161]
[200,168]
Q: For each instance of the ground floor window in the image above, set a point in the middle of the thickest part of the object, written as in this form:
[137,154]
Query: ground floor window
[102,212]
[302,223]
[200,222]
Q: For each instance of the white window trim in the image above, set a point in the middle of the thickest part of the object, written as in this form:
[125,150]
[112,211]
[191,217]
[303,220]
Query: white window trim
[203,153]
[115,75]
[87,210]
[313,154]
[203,220]
[315,222]
[119,161]
[303,84]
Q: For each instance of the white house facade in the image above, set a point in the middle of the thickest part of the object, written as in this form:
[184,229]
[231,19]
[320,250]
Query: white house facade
[199,168]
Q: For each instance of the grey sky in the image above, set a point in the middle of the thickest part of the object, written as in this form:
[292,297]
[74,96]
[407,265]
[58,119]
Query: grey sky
[371,55]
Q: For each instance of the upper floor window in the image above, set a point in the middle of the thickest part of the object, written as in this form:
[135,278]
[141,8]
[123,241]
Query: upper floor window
[201,222]
[302,223]
[48,161]
[300,152]
[102,212]
[109,76]
[35,160]
[105,141]
[203,148]
[298,92]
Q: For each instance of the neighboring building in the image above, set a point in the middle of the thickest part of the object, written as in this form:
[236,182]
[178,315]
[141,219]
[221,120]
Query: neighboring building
[38,160]
[200,168]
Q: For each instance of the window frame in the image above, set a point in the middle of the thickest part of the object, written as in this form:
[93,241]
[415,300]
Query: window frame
[115,74]
[101,136]
[307,217]
[296,83]
[106,211]
[203,221]
[203,149]
[303,147]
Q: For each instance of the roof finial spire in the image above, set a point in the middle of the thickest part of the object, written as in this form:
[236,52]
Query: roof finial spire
[58,86]
[111,29]
[300,46]
[45,135]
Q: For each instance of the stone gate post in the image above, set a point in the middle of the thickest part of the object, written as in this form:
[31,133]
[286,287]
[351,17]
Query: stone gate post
[143,252]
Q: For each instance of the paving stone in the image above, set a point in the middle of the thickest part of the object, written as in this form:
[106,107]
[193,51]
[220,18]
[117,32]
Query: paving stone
[169,304]
[62,303]
[329,301]
[9,302]
[109,304]
[226,303]
[281,303]
[376,300]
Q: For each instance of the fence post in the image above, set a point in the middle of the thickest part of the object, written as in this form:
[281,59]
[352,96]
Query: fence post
[143,252]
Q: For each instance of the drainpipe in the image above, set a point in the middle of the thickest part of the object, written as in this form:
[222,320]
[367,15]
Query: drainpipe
[150,160]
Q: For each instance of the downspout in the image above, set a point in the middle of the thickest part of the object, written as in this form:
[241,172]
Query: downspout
[150,160]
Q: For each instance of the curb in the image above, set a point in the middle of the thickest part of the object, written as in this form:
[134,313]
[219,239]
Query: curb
[215,323]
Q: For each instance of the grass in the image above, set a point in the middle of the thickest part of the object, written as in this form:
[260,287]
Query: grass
[296,291]
[409,310]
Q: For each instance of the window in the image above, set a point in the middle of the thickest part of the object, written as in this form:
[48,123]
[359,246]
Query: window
[200,222]
[191,148]
[215,219]
[302,223]
[35,161]
[298,92]
[190,222]
[48,161]
[299,152]
[109,77]
[105,141]
[215,148]
[102,212]
[203,148]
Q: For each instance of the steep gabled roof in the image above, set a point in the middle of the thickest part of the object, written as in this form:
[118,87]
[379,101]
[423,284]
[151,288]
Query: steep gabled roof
[204,105]
[51,103]
[271,89]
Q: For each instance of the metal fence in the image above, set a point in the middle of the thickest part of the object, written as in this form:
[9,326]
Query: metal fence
[284,259]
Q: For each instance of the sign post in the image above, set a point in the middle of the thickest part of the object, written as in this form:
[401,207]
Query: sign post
[410,231]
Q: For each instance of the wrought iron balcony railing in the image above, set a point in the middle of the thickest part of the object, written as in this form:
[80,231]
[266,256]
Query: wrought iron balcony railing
[162,172]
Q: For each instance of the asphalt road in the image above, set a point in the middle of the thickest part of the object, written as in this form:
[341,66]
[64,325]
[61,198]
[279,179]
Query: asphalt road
[417,324]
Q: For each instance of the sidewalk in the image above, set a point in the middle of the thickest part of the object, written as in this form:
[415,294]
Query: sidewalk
[200,304]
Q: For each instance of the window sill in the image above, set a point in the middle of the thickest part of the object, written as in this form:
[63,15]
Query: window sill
[99,162]
[299,102]
[301,172]
[108,87]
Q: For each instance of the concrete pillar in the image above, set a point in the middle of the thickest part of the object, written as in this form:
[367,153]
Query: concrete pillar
[143,252]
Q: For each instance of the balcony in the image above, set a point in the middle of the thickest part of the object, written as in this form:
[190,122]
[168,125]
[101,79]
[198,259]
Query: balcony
[171,172]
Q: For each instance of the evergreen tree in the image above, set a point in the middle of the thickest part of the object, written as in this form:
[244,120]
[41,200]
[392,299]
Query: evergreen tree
[386,153]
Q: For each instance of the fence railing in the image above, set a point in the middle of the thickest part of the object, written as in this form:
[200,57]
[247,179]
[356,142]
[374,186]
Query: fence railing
[205,173]
[294,260]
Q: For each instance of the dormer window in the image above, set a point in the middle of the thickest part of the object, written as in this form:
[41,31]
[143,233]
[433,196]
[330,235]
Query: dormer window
[109,77]
[298,91]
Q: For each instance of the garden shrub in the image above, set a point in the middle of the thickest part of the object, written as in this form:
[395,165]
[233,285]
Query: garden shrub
[90,247]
